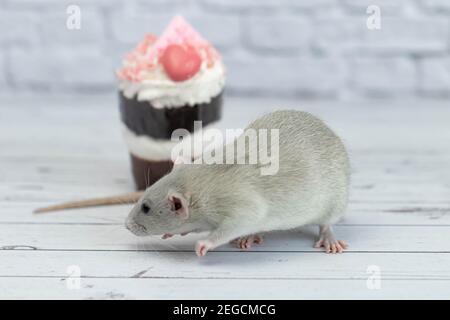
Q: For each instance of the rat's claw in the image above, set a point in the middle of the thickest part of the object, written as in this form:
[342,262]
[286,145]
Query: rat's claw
[333,248]
[343,244]
[318,244]
[257,238]
[202,247]
[327,246]
[246,243]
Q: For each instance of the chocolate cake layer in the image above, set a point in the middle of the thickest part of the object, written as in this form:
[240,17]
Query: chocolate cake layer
[144,119]
[147,172]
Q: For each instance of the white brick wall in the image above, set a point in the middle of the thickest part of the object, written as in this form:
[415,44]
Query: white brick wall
[436,5]
[55,34]
[384,77]
[287,48]
[61,69]
[285,76]
[18,28]
[289,34]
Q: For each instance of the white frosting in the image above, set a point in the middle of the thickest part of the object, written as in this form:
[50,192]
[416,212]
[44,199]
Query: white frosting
[149,148]
[162,92]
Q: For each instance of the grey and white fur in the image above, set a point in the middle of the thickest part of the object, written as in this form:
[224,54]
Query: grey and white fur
[236,202]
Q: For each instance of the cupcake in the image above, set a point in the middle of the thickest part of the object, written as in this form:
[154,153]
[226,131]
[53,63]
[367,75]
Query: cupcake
[167,83]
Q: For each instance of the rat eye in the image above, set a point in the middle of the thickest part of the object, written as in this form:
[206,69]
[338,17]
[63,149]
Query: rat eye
[145,208]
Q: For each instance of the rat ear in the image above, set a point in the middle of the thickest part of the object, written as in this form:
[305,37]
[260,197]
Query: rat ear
[179,204]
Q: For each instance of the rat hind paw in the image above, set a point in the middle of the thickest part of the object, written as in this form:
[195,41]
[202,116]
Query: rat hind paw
[331,245]
[329,242]
[247,241]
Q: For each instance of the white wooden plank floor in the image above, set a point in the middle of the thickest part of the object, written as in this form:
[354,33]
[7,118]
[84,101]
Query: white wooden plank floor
[67,148]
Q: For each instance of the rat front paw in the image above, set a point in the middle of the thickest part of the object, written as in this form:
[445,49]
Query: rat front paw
[202,247]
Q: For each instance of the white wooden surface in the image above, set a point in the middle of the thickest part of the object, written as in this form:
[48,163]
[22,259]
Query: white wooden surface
[68,148]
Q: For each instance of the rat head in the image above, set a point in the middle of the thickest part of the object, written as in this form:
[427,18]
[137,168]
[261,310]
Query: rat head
[164,208]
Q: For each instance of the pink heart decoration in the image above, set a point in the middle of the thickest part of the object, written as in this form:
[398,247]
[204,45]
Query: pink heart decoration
[180,62]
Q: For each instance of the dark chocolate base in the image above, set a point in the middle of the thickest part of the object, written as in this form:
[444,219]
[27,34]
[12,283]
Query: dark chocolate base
[143,118]
[147,172]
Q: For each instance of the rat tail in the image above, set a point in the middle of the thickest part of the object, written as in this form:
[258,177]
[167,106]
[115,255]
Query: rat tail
[107,201]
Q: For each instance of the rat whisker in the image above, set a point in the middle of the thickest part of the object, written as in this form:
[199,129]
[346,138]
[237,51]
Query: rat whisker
[110,229]
[145,178]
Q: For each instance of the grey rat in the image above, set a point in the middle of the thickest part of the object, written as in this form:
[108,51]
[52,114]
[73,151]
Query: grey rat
[236,202]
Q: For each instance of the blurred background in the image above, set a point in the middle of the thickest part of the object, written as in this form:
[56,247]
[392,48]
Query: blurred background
[312,49]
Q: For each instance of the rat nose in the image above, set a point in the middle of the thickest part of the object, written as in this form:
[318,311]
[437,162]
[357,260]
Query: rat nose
[135,228]
[128,223]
